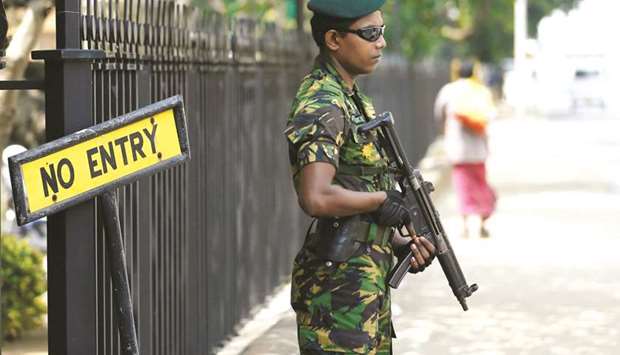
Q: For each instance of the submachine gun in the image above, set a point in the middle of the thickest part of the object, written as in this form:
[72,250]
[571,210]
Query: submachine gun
[424,216]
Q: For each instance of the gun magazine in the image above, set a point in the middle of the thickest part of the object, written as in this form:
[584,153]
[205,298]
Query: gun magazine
[400,270]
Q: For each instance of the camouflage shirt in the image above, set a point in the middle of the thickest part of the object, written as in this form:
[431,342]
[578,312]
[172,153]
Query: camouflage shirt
[322,126]
[340,307]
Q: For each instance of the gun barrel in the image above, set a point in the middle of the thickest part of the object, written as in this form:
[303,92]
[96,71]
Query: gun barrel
[455,277]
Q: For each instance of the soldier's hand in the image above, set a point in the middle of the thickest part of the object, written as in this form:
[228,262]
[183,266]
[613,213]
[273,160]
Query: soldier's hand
[423,253]
[393,211]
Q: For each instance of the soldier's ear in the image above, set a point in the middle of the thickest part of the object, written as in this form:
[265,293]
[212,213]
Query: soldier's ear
[332,40]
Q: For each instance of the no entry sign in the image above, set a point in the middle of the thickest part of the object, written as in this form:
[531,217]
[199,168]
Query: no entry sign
[81,165]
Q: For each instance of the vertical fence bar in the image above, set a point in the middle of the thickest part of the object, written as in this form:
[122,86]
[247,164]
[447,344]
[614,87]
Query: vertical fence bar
[146,227]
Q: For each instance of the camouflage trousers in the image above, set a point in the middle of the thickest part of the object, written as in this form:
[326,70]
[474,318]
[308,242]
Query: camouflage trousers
[343,307]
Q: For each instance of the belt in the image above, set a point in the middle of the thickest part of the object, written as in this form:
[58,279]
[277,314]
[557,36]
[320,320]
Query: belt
[373,233]
[339,239]
[383,234]
[361,231]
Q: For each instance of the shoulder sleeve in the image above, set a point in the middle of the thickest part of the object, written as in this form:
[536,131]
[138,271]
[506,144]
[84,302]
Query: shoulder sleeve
[315,132]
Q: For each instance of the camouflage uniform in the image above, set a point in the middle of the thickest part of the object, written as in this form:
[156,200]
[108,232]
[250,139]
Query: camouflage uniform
[341,307]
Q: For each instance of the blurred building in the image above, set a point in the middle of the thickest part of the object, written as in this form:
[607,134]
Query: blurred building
[573,64]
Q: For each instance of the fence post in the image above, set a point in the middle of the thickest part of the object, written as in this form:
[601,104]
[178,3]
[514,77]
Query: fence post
[71,234]
[71,249]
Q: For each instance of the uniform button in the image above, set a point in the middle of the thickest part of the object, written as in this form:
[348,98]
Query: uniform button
[328,263]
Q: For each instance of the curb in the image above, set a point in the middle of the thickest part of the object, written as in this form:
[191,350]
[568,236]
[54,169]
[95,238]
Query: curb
[265,316]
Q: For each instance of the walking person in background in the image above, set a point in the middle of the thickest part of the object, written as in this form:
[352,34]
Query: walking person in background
[463,109]
[339,285]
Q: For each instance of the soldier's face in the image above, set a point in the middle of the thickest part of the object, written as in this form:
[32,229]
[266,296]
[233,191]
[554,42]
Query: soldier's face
[356,54]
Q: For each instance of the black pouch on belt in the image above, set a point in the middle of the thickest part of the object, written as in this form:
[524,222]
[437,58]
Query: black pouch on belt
[338,239]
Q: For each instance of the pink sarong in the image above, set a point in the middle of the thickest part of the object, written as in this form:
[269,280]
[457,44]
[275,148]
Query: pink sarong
[475,195]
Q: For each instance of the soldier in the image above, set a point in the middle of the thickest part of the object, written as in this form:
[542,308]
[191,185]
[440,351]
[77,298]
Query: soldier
[339,290]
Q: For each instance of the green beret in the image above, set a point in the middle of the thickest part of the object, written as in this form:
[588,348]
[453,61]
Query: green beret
[348,9]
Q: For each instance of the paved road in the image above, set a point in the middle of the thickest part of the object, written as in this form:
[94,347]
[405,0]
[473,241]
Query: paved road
[549,275]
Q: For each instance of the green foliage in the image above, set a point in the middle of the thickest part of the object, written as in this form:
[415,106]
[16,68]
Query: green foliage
[479,28]
[280,12]
[537,9]
[493,30]
[254,8]
[414,27]
[427,28]
[22,281]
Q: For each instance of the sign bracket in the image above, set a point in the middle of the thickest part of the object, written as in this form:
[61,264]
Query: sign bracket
[118,270]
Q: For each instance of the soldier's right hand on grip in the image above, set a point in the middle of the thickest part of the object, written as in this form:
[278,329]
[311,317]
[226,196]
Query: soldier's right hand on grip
[393,211]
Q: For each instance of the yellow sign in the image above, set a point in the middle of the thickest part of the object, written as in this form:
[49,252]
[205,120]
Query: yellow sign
[98,161]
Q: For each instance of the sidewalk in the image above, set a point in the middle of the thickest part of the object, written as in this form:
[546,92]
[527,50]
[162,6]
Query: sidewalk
[548,274]
[32,343]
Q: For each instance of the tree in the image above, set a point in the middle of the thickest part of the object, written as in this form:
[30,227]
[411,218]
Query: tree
[254,8]
[537,9]
[479,28]
[417,29]
[284,13]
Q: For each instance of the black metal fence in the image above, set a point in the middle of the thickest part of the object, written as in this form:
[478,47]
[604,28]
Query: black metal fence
[207,241]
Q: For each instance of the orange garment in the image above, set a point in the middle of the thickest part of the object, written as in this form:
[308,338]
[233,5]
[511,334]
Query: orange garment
[472,107]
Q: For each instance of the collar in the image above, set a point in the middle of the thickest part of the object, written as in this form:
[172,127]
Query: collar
[324,62]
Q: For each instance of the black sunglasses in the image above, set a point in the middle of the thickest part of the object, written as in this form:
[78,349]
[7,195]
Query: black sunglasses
[371,34]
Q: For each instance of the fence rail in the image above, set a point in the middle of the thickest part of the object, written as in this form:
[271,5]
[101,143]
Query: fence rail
[205,242]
